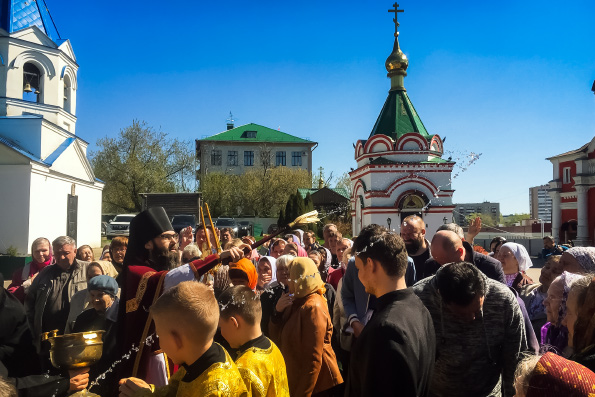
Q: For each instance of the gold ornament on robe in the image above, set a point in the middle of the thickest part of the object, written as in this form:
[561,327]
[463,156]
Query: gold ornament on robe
[263,371]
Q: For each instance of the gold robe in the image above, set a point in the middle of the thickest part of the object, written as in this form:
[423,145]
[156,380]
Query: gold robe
[263,371]
[219,380]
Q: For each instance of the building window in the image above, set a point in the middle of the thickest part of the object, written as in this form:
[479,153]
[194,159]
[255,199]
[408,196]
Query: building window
[296,159]
[249,158]
[249,134]
[232,157]
[280,159]
[216,157]
[566,175]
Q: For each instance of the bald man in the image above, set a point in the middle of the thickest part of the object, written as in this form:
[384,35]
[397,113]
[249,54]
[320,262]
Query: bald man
[448,247]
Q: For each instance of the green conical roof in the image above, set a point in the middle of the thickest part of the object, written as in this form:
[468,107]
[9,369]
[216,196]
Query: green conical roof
[398,117]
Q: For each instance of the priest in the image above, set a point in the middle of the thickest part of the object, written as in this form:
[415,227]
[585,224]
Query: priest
[153,250]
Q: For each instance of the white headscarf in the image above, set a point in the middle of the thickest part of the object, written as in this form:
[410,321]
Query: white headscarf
[521,255]
[273,262]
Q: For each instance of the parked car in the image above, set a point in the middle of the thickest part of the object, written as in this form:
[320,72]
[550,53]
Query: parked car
[119,226]
[181,221]
[272,228]
[227,222]
[245,228]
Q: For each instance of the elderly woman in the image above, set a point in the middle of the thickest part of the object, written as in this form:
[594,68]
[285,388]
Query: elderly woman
[41,250]
[301,326]
[515,261]
[80,300]
[85,253]
[579,260]
[277,248]
[270,296]
[102,316]
[554,335]
[533,295]
[580,321]
[552,376]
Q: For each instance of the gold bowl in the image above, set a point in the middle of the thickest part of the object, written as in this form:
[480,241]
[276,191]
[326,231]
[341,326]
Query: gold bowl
[78,350]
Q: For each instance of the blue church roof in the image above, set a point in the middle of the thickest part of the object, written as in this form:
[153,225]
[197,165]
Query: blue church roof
[20,14]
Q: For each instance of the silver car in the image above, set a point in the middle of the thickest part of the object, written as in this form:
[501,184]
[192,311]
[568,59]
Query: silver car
[119,226]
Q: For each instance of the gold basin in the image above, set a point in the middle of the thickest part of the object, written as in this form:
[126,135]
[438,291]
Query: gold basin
[78,350]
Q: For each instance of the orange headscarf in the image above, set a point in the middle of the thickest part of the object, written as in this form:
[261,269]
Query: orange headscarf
[247,267]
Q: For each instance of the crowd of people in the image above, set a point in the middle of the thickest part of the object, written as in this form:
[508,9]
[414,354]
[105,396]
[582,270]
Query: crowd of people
[381,314]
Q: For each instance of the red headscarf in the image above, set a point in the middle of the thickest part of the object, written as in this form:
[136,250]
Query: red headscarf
[555,376]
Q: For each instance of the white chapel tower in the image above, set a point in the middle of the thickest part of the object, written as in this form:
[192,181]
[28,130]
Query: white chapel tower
[48,185]
[400,169]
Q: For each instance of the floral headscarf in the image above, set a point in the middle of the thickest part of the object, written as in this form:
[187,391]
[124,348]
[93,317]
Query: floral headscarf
[521,255]
[585,256]
[555,376]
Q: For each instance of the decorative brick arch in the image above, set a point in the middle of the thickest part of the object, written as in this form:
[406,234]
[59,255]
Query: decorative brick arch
[425,182]
[359,184]
[412,137]
[436,144]
[359,149]
[379,141]
[402,196]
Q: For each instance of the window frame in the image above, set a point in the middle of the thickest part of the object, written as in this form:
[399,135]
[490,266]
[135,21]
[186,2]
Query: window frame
[216,154]
[296,159]
[249,154]
[281,158]
[232,158]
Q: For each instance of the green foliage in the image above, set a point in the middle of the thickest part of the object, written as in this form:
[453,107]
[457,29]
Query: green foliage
[486,219]
[344,182]
[12,251]
[140,160]
[258,192]
[510,220]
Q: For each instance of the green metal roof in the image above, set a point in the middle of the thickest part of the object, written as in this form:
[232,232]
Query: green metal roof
[342,191]
[398,117]
[255,133]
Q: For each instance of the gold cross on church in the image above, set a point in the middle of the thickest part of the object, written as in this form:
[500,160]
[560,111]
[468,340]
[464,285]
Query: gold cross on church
[396,11]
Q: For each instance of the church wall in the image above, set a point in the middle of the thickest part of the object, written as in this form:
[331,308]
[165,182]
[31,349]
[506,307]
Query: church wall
[49,199]
[24,131]
[14,211]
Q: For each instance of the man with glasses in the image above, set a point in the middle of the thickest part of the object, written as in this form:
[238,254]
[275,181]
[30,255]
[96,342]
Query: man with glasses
[153,250]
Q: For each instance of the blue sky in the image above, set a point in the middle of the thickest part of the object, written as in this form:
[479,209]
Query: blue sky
[510,80]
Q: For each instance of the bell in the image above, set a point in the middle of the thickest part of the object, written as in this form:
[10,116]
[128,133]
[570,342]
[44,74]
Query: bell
[37,91]
[27,88]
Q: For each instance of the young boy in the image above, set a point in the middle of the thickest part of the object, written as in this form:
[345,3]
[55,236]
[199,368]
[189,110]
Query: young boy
[258,359]
[186,318]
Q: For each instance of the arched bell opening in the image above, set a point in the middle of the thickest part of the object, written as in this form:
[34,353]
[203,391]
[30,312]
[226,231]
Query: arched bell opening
[32,83]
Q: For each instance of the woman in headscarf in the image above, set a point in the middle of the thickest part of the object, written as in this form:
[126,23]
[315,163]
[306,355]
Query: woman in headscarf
[301,326]
[277,248]
[515,261]
[270,296]
[295,250]
[554,335]
[325,263]
[102,315]
[552,376]
[580,320]
[579,260]
[41,251]
[267,272]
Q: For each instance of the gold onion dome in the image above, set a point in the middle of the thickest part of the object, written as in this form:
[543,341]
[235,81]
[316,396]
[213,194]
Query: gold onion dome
[397,62]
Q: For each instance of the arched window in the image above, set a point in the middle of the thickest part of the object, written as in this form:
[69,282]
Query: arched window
[32,83]
[67,94]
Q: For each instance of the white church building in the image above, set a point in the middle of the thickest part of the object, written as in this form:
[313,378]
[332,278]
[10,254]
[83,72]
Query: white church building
[47,185]
[400,169]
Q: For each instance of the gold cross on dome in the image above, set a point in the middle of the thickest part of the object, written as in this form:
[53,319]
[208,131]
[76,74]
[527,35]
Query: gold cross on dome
[396,11]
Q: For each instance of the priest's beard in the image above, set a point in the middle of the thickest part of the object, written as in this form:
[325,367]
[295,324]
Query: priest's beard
[412,246]
[164,259]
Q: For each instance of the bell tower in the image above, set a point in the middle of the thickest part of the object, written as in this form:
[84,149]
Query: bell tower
[400,169]
[38,69]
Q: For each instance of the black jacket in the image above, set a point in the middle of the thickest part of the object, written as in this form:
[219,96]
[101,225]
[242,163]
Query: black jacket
[489,266]
[18,359]
[394,355]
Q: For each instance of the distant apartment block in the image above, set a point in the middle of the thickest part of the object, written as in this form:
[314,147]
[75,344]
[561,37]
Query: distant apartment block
[540,203]
[463,210]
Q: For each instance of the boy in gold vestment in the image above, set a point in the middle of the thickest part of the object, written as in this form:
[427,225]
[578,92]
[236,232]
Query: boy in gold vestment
[186,319]
[259,360]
